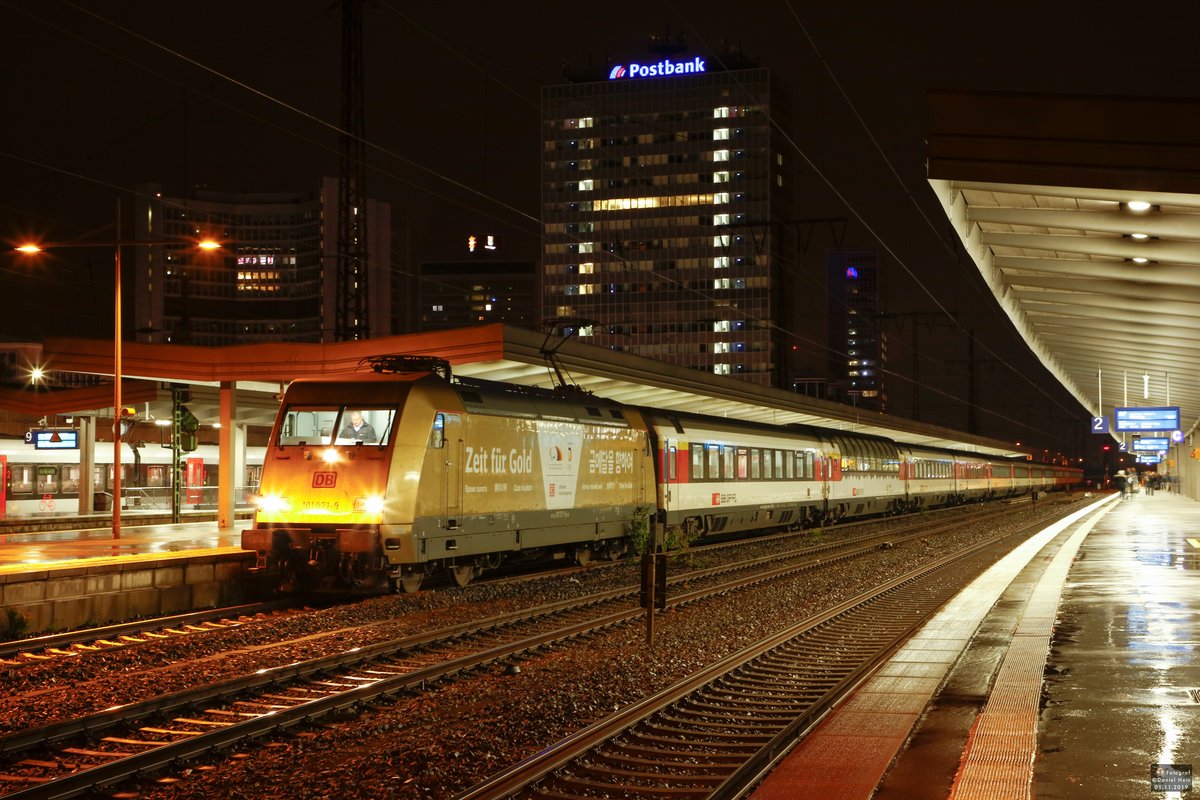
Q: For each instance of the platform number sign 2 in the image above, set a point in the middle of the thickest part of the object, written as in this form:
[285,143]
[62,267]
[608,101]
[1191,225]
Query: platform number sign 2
[1099,424]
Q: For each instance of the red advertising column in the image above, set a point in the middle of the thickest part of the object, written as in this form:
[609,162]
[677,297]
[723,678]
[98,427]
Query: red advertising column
[4,487]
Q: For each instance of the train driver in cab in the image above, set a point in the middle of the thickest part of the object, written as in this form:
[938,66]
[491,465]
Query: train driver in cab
[358,429]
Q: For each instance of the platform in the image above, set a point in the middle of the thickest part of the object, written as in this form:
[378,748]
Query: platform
[1102,606]
[62,579]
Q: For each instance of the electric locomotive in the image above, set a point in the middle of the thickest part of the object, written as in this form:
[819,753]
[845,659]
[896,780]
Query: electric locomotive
[460,476]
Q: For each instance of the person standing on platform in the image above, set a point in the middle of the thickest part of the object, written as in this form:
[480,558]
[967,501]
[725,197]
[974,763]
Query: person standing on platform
[1121,482]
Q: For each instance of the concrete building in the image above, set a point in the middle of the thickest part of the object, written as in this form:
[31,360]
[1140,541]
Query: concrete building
[665,198]
[476,291]
[273,281]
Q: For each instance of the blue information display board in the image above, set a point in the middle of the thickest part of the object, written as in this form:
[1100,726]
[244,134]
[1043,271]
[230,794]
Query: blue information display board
[53,439]
[1146,418]
[1148,444]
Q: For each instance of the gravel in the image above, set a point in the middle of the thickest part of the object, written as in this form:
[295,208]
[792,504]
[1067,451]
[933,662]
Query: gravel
[442,741]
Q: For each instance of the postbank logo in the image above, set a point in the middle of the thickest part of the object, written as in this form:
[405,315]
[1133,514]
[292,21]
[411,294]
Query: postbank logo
[661,69]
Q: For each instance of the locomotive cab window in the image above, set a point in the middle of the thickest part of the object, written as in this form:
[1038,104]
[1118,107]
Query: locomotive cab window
[347,424]
[437,434]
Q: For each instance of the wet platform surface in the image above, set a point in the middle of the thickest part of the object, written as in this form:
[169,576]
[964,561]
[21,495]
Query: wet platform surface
[23,552]
[1104,609]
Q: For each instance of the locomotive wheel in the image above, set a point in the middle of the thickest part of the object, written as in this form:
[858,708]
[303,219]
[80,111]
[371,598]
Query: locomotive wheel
[583,555]
[409,581]
[461,574]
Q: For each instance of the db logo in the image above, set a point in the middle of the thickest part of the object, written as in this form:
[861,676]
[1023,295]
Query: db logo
[324,480]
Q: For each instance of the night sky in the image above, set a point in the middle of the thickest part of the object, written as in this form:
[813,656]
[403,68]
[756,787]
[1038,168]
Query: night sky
[99,97]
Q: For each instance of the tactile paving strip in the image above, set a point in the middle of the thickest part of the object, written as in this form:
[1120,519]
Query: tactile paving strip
[998,761]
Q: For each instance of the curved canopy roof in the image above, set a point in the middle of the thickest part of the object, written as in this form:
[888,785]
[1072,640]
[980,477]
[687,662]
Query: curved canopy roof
[1082,214]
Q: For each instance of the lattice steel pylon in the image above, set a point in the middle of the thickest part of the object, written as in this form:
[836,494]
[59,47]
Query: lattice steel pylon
[352,299]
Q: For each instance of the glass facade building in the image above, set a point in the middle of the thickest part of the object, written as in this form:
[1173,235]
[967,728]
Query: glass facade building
[666,211]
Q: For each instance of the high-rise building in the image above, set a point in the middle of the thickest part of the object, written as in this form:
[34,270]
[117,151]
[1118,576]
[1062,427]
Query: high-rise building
[665,201]
[857,343]
[274,280]
[476,292]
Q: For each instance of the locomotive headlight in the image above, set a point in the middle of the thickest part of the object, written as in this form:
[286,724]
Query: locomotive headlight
[330,456]
[273,503]
[372,504]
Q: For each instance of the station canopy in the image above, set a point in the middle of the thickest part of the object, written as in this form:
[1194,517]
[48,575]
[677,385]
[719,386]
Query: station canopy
[489,352]
[1082,214]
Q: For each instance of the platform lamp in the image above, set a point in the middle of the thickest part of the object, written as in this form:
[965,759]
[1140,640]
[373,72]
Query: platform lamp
[118,407]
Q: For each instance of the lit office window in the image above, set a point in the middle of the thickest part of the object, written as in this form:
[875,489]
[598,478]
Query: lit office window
[721,326]
[721,369]
[720,155]
[720,283]
[721,262]
[721,177]
[585,186]
[720,198]
[721,113]
[721,133]
[720,219]
[721,241]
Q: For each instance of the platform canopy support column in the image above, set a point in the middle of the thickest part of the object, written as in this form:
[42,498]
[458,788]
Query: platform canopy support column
[232,453]
[87,461]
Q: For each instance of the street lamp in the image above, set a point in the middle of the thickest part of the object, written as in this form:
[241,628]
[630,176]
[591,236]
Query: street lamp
[30,248]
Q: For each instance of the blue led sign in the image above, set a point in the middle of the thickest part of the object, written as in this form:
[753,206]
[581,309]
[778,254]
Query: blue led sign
[45,439]
[1151,445]
[658,70]
[1148,419]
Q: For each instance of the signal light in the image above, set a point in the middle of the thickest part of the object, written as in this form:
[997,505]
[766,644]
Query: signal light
[127,421]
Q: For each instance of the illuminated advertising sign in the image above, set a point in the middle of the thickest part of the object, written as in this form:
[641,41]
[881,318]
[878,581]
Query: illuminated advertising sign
[1164,418]
[661,69]
[1150,445]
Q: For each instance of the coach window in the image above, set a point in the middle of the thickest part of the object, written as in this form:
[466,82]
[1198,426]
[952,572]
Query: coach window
[437,436]
[767,473]
[98,478]
[47,480]
[742,461]
[70,478]
[755,464]
[727,459]
[670,454]
[697,450]
[779,464]
[156,475]
[21,481]
[714,461]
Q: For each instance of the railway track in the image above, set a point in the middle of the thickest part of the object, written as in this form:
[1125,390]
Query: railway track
[71,644]
[713,734]
[70,758]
